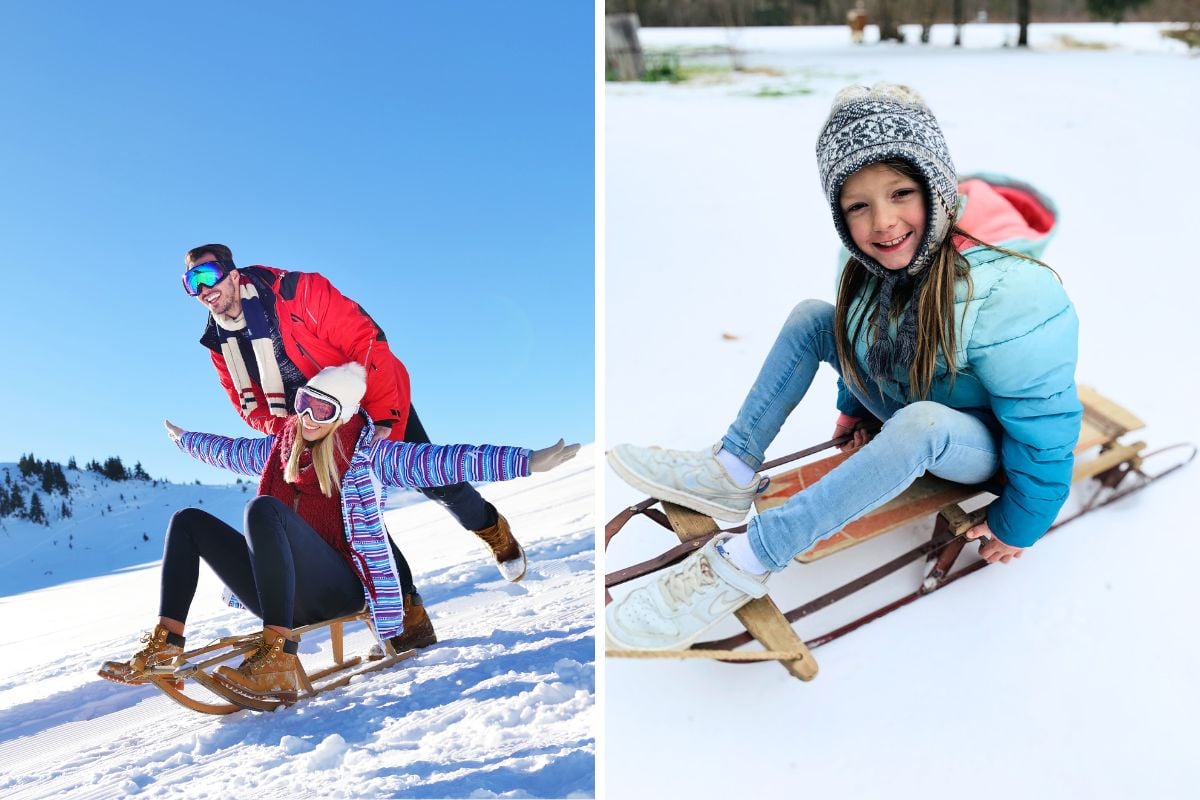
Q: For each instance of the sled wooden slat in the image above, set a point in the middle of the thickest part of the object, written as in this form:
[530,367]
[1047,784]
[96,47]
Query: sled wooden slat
[1103,413]
[168,688]
[1103,422]
[762,617]
[166,677]
[1114,456]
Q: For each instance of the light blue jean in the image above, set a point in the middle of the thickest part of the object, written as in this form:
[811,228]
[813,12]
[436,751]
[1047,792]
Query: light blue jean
[916,438]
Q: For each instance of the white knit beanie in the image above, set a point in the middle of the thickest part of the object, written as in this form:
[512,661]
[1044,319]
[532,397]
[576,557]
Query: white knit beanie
[347,383]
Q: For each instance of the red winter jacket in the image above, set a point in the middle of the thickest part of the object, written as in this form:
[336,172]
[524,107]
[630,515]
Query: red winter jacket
[321,327]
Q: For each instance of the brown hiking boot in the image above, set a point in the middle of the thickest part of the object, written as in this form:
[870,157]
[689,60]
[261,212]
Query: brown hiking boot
[161,648]
[509,555]
[418,629]
[269,672]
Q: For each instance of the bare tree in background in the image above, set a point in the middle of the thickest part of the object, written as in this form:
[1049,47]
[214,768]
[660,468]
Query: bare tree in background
[889,29]
[1023,13]
[929,12]
[733,15]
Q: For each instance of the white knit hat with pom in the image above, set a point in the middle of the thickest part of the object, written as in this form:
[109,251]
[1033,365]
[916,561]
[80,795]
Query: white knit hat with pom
[347,383]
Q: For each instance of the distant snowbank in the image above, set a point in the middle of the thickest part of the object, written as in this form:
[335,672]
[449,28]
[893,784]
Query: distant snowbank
[1141,37]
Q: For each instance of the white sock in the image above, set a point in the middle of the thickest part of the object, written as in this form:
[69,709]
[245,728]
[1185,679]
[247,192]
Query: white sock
[738,550]
[741,472]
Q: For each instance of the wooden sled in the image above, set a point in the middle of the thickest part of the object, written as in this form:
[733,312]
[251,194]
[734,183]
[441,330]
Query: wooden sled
[189,679]
[1100,457]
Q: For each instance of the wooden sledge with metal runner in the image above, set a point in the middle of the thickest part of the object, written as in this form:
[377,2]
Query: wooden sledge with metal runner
[1100,457]
[195,668]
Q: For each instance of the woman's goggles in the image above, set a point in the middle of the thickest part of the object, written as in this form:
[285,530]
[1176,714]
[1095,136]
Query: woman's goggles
[203,276]
[320,407]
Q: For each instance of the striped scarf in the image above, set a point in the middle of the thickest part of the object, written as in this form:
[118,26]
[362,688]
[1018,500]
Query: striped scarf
[253,318]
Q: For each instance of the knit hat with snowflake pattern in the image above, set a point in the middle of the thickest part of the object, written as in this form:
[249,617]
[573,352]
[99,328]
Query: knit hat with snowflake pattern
[866,126]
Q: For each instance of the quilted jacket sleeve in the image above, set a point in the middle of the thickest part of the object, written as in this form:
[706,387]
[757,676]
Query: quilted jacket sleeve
[1023,350]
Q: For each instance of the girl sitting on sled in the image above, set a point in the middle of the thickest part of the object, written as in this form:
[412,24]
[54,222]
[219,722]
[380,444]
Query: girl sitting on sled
[315,545]
[964,350]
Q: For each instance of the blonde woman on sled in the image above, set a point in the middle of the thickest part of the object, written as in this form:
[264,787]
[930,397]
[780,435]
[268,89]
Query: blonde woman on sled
[314,546]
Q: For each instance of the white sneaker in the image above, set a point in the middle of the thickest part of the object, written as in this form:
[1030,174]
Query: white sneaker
[694,479]
[672,612]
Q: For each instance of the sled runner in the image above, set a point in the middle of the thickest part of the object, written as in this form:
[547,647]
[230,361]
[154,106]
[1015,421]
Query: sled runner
[1100,458]
[196,668]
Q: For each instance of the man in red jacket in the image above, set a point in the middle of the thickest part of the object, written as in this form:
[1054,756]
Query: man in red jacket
[270,330]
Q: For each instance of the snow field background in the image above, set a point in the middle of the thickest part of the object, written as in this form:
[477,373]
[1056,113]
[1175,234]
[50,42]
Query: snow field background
[1068,674]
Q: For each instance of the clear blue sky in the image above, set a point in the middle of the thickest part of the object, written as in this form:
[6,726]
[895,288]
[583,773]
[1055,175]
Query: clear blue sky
[435,161]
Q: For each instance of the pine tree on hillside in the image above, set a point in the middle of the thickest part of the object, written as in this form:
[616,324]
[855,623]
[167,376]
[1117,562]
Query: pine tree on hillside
[28,465]
[36,512]
[113,469]
[72,465]
[65,511]
[139,474]
[4,502]
[60,480]
[16,500]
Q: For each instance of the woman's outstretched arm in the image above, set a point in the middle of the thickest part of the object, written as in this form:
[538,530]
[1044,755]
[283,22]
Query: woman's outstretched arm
[243,456]
[414,465]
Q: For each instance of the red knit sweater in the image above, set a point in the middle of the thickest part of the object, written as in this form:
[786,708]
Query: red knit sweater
[323,513]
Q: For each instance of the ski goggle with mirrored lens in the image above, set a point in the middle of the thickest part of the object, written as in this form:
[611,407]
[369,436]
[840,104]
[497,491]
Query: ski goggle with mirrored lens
[203,276]
[319,406]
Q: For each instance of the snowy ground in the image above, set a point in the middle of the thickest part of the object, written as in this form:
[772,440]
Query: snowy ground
[502,706]
[1068,674]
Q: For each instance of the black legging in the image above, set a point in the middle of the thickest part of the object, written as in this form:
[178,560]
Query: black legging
[461,499]
[281,570]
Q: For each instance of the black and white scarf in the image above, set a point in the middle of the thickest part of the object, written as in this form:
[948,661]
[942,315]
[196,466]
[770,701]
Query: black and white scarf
[254,319]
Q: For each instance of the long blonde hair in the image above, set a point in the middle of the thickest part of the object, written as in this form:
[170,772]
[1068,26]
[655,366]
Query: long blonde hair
[325,457]
[935,305]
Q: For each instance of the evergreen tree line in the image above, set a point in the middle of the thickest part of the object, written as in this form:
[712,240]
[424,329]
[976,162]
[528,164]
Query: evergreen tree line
[51,474]
[53,479]
[12,504]
[114,470]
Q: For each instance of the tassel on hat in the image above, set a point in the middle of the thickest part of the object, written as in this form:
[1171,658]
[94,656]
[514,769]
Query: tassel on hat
[347,383]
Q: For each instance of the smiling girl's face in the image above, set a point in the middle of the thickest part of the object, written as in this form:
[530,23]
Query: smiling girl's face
[885,214]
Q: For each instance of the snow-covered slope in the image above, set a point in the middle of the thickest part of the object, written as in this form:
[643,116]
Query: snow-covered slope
[1067,674]
[503,705]
[112,525]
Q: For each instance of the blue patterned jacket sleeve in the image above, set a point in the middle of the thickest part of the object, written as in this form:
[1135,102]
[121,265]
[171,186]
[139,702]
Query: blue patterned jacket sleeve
[243,456]
[415,465]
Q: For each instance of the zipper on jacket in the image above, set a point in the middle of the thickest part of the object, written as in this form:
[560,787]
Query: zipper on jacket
[304,353]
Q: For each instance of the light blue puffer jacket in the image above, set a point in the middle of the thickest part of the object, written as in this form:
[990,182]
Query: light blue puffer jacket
[1017,348]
